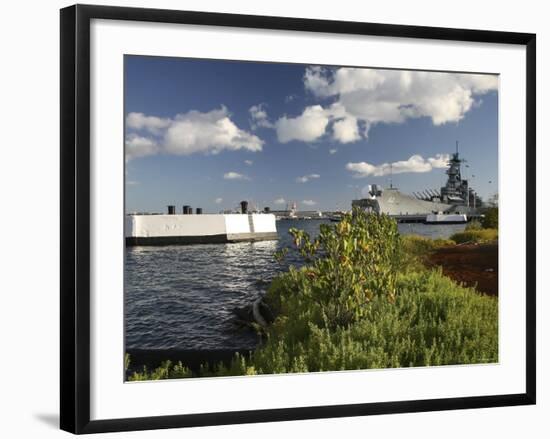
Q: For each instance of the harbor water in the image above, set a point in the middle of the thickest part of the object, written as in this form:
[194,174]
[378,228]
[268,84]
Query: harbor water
[183,296]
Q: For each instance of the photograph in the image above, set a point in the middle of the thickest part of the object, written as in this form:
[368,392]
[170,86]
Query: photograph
[270,220]
[292,218]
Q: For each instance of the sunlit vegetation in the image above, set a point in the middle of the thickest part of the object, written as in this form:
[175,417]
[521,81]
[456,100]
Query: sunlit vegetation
[416,249]
[480,232]
[167,370]
[475,236]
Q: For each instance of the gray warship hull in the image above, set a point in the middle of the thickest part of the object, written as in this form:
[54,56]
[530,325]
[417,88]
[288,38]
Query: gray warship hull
[394,203]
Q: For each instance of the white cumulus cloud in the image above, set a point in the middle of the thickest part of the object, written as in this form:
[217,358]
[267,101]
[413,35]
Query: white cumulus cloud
[218,200]
[209,132]
[138,146]
[235,176]
[332,151]
[307,127]
[140,121]
[392,96]
[187,133]
[346,130]
[279,201]
[248,162]
[440,161]
[414,164]
[306,178]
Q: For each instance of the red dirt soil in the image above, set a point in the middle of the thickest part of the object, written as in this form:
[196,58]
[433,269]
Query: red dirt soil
[473,265]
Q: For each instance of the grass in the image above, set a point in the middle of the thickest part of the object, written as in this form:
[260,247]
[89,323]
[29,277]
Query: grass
[364,300]
[475,236]
[419,246]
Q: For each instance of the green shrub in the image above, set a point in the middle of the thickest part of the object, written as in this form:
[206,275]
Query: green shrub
[475,236]
[348,265]
[490,218]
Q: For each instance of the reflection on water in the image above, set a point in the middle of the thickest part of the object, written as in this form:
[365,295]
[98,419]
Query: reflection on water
[182,297]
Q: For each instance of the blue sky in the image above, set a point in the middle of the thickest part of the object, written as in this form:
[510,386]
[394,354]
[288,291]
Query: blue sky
[211,133]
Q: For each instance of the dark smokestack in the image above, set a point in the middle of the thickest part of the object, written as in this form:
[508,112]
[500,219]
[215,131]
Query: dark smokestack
[186,210]
[199,210]
[267,209]
[171,210]
[244,207]
[190,211]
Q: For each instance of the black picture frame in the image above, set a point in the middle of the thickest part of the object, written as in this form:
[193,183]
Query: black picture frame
[75,217]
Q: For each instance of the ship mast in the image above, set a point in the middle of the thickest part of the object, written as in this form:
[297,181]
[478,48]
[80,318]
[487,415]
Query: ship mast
[467,183]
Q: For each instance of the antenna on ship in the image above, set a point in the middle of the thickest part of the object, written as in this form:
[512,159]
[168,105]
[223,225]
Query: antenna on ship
[391,175]
[457,148]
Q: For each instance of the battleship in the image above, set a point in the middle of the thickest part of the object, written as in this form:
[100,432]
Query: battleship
[456,198]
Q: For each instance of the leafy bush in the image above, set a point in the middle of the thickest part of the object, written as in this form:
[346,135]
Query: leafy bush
[475,236]
[490,218]
[349,264]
